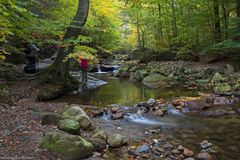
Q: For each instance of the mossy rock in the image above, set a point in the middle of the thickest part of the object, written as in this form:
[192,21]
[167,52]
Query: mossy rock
[154,80]
[50,92]
[116,140]
[222,87]
[66,146]
[218,78]
[70,126]
[76,115]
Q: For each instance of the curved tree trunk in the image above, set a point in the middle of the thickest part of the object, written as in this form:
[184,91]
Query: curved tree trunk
[59,67]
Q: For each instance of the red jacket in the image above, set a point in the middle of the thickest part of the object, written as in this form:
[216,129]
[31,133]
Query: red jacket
[84,63]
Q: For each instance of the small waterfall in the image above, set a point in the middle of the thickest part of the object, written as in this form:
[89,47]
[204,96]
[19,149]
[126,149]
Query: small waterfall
[99,69]
[138,118]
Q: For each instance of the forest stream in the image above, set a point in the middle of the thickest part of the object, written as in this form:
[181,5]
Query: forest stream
[190,131]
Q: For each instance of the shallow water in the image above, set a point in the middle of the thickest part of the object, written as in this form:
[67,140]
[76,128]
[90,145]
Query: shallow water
[189,131]
[121,91]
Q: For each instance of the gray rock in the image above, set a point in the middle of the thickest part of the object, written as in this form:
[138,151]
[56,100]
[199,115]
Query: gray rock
[228,70]
[205,144]
[117,116]
[204,156]
[151,102]
[168,146]
[66,146]
[189,159]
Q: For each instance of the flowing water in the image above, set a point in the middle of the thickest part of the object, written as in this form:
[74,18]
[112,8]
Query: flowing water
[223,132]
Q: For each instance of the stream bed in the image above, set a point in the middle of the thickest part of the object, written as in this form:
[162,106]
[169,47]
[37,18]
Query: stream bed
[222,132]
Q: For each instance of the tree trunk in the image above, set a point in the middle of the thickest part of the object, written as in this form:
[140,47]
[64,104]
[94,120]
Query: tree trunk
[226,17]
[238,15]
[217,30]
[174,19]
[73,31]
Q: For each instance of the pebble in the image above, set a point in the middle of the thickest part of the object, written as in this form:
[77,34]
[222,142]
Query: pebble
[151,102]
[168,146]
[180,148]
[119,128]
[155,141]
[205,144]
[175,151]
[204,156]
[188,152]
[179,107]
[143,148]
[189,159]
[158,113]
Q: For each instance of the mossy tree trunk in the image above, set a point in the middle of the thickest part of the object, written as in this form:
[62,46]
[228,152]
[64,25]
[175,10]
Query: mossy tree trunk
[59,68]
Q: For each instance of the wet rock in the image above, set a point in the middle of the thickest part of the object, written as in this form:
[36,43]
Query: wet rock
[158,113]
[96,154]
[188,152]
[117,116]
[151,102]
[66,146]
[154,80]
[222,87]
[116,140]
[143,149]
[143,104]
[75,113]
[205,144]
[70,126]
[204,156]
[221,101]
[51,119]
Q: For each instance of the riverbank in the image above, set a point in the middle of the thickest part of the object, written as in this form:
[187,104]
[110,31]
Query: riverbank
[171,125]
[154,135]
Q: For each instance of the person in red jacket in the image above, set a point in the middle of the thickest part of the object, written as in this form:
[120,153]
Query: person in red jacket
[84,64]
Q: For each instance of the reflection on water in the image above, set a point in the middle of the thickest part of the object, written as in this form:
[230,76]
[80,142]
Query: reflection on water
[121,91]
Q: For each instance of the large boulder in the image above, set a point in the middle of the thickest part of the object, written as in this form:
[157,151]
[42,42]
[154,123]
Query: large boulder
[75,118]
[116,140]
[222,87]
[154,80]
[66,146]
